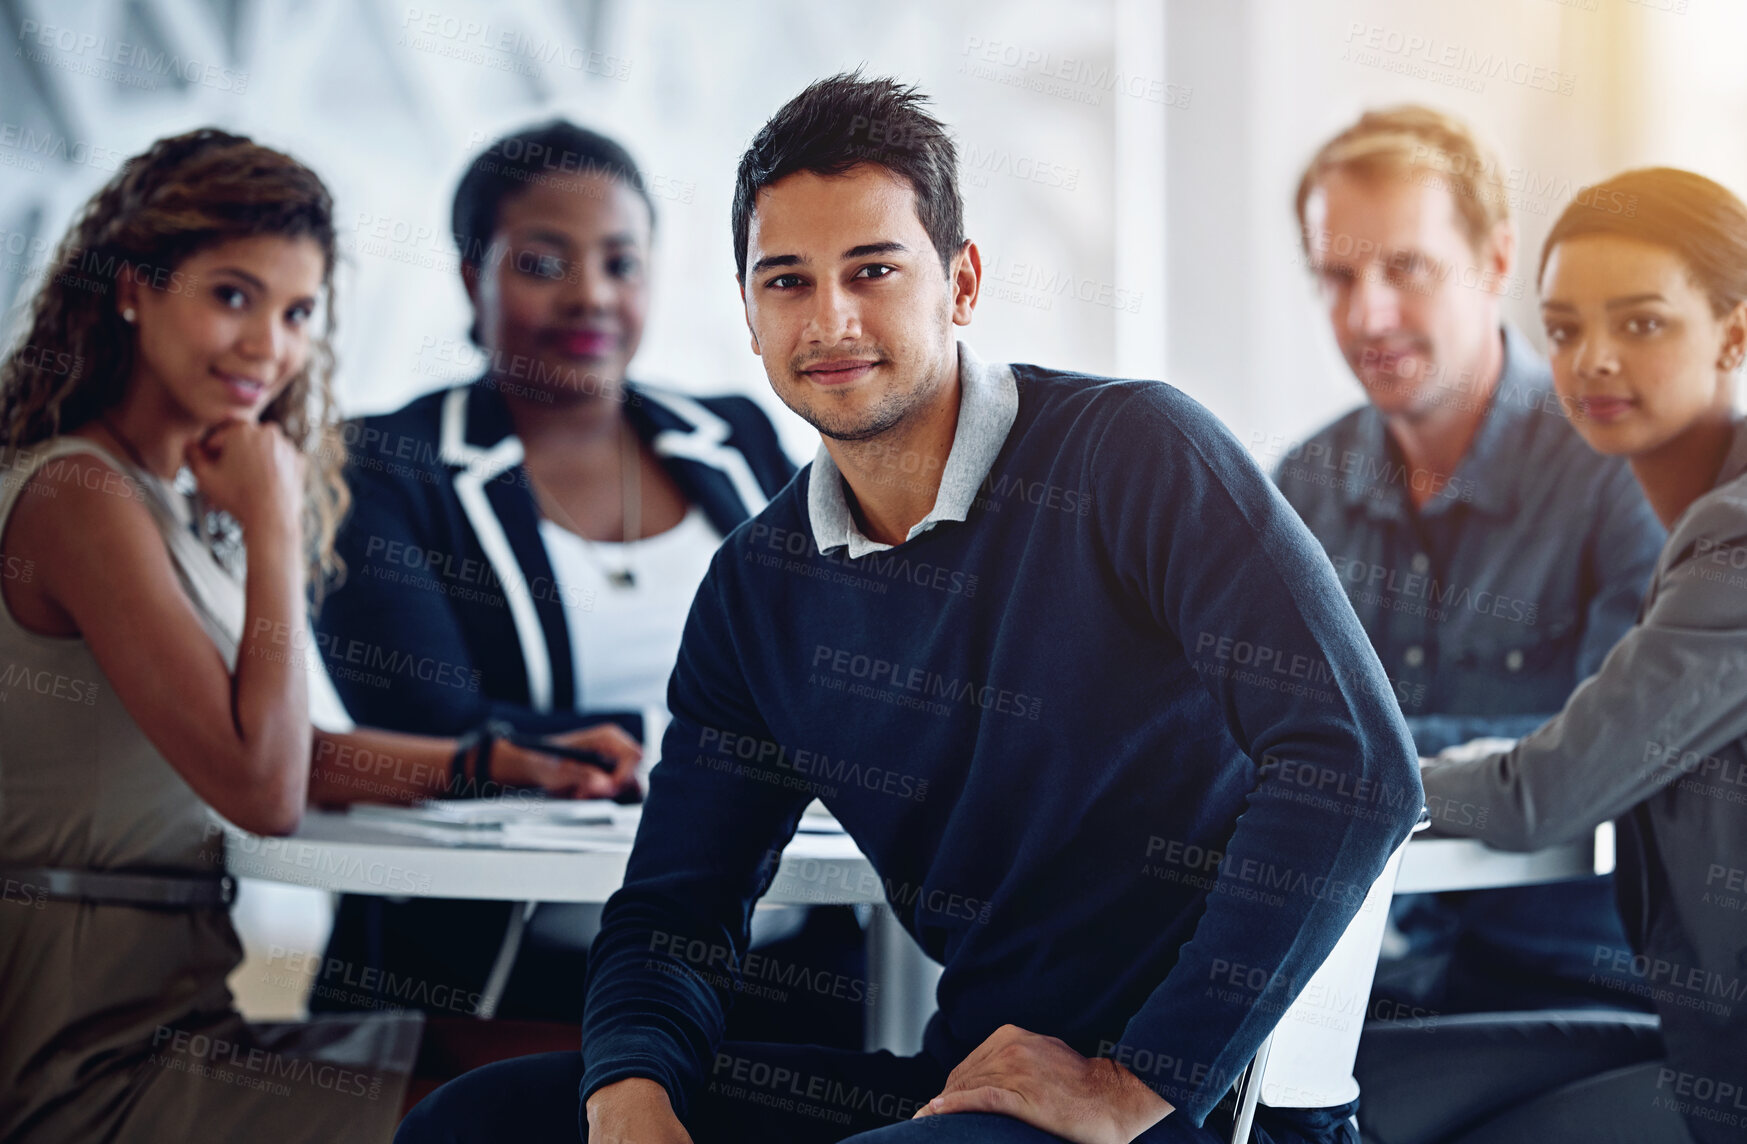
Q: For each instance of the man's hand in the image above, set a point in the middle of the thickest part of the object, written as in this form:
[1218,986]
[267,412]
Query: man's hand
[633,1111]
[1043,1082]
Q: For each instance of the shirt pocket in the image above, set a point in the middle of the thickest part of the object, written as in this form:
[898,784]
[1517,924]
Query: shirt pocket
[1510,668]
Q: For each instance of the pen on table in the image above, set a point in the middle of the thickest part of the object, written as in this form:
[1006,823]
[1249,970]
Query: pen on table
[557,750]
[630,795]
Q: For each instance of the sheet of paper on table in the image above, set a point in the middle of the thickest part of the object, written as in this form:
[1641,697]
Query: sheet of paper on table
[490,813]
[513,823]
[535,823]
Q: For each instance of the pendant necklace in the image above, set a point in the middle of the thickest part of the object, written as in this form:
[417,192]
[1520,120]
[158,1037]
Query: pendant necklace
[631,505]
[623,577]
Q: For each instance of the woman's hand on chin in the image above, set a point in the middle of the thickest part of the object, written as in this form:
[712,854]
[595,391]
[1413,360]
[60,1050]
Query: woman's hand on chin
[251,471]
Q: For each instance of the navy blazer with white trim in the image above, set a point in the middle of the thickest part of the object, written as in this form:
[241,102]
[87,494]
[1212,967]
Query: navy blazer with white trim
[449,613]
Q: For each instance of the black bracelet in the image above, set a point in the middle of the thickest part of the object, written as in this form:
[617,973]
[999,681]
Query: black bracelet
[490,732]
[458,762]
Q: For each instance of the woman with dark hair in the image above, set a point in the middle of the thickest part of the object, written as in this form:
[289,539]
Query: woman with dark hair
[1644,298]
[539,531]
[166,413]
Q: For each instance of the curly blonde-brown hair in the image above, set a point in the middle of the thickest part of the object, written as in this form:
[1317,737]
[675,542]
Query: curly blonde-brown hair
[183,195]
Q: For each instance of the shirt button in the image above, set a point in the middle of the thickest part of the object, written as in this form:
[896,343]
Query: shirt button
[1415,656]
[1421,562]
[1513,660]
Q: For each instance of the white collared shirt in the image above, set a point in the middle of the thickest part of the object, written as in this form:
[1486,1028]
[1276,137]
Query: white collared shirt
[988,402]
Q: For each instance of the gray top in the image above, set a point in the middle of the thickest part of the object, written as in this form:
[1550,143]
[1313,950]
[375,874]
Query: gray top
[1657,741]
[988,401]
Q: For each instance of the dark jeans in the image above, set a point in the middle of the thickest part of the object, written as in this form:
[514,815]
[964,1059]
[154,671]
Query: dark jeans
[1509,1078]
[796,1094]
[1513,948]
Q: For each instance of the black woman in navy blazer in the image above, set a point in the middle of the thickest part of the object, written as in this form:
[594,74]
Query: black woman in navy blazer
[452,614]
[444,521]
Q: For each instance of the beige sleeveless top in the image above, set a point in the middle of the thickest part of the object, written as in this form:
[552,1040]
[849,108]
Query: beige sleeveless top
[83,985]
[79,783]
[115,1021]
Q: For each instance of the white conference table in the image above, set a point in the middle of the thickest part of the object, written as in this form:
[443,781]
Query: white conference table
[338,852]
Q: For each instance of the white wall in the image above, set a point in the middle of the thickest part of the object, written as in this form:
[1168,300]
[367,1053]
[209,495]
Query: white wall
[389,109]
[1166,201]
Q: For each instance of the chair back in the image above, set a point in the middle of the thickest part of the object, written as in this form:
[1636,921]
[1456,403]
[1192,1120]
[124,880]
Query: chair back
[1307,1062]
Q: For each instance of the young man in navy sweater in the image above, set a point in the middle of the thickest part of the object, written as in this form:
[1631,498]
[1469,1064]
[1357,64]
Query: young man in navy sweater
[1061,660]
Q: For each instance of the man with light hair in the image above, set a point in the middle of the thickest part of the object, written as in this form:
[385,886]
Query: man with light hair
[1492,558]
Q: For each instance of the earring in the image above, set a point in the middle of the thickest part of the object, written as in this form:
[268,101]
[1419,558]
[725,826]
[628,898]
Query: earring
[128,315]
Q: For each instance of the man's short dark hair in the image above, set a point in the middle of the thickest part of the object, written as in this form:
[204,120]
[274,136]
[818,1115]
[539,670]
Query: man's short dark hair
[846,120]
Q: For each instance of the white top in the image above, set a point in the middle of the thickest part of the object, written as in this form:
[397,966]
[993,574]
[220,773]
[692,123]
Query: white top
[624,639]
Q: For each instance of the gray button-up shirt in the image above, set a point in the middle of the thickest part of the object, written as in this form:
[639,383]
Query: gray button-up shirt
[1657,741]
[1491,601]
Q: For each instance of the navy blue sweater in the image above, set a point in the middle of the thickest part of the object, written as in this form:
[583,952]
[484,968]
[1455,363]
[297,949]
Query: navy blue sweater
[1116,745]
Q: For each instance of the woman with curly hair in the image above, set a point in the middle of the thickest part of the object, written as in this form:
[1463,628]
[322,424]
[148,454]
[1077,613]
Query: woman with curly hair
[169,495]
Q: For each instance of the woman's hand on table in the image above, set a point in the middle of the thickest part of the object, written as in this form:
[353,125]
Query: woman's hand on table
[519,766]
